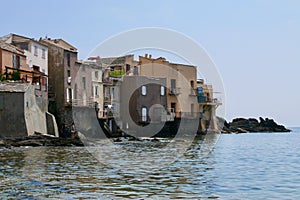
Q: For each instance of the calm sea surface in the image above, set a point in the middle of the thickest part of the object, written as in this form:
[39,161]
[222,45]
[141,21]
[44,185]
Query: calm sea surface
[244,166]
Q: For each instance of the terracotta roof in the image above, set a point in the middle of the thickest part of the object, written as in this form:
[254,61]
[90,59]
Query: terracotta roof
[13,87]
[11,48]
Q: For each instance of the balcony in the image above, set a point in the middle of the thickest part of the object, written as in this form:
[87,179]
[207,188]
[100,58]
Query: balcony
[174,91]
[209,101]
[81,103]
[117,73]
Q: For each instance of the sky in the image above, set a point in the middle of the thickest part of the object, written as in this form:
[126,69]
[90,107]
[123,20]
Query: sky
[254,44]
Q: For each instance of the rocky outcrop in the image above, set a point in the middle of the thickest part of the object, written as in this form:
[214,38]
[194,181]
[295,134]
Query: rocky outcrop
[242,125]
[39,140]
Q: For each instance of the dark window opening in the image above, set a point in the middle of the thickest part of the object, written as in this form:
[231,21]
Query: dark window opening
[68,59]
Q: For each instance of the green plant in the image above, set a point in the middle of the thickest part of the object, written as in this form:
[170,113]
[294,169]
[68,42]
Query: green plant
[15,76]
[1,77]
[116,73]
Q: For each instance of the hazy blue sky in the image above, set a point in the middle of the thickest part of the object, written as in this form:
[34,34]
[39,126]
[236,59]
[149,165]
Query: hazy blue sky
[255,44]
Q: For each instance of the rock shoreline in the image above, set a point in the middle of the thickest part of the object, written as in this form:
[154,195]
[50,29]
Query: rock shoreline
[238,125]
[251,125]
[39,140]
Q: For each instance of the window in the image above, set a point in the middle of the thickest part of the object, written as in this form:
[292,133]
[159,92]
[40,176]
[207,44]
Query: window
[83,83]
[96,74]
[68,59]
[1,102]
[36,50]
[135,70]
[112,93]
[44,53]
[127,67]
[162,90]
[105,93]
[192,84]
[173,85]
[20,61]
[144,90]
[36,68]
[69,77]
[96,91]
[144,114]
[15,61]
[69,94]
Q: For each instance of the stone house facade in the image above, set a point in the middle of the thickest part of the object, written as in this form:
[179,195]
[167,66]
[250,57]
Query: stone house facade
[62,70]
[114,69]
[12,57]
[181,84]
[36,59]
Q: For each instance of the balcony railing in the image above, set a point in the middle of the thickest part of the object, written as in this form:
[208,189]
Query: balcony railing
[174,91]
[81,103]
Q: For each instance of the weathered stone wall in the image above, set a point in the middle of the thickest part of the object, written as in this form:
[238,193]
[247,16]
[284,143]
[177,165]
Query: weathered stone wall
[35,114]
[86,122]
[12,115]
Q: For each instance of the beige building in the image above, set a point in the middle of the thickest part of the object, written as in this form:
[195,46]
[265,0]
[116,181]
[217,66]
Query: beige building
[88,88]
[181,84]
[114,68]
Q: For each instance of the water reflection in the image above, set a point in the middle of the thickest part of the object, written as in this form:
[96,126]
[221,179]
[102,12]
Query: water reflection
[68,173]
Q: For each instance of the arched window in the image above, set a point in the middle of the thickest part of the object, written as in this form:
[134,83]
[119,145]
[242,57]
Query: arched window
[144,90]
[144,114]
[162,90]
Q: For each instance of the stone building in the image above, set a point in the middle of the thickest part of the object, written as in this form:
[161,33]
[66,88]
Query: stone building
[187,101]
[22,113]
[88,88]
[114,69]
[143,105]
[11,57]
[181,84]
[62,69]
[36,60]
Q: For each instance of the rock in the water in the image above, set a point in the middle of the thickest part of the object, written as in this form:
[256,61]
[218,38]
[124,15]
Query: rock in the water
[242,125]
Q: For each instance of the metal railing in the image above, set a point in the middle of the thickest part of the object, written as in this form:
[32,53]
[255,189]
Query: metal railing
[81,102]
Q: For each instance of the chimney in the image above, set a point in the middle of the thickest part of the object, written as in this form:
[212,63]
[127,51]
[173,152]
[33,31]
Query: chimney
[150,56]
[146,55]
